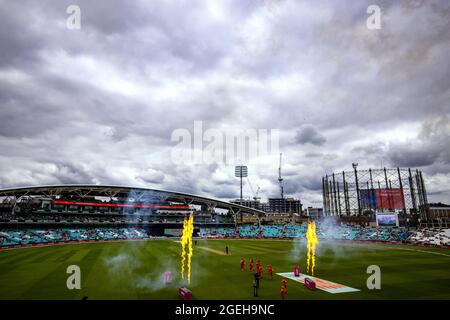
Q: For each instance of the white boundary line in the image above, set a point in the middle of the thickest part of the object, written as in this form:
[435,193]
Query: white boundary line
[424,251]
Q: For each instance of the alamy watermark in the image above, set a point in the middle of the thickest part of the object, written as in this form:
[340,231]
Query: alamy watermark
[74,280]
[373,22]
[227,146]
[73,21]
[374,280]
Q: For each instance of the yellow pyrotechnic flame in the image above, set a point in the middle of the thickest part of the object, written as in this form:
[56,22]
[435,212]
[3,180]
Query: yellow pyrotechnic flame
[186,246]
[190,232]
[183,245]
[312,241]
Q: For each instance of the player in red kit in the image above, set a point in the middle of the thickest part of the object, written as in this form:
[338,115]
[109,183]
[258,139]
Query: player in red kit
[284,284]
[260,272]
[270,270]
[250,265]
[242,264]
[283,292]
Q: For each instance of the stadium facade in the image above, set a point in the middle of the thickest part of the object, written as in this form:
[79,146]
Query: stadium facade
[47,215]
[360,192]
[102,205]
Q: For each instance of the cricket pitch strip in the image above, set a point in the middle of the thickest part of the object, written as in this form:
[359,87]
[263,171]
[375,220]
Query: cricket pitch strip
[321,284]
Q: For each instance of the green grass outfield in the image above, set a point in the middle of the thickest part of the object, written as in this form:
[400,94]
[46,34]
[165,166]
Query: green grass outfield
[133,270]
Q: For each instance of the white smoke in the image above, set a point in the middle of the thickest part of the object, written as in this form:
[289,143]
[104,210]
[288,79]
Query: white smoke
[154,280]
[329,247]
[123,263]
[130,268]
[298,251]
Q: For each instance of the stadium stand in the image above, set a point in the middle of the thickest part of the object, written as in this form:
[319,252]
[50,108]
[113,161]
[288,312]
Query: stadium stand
[80,229]
[218,232]
[249,231]
[272,231]
[49,214]
[294,231]
[13,237]
[29,236]
[324,231]
[440,237]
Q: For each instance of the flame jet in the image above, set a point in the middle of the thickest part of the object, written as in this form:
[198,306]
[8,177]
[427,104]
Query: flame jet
[190,249]
[312,241]
[186,246]
[183,245]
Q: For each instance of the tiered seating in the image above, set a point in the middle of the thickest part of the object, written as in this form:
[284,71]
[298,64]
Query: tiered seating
[383,234]
[431,236]
[272,231]
[218,232]
[249,231]
[336,232]
[294,231]
[10,237]
[350,232]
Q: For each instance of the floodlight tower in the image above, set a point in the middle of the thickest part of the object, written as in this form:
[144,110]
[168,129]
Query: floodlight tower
[241,172]
[280,179]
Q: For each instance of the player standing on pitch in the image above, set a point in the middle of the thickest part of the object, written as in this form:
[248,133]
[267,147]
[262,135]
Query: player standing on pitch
[260,271]
[255,284]
[283,292]
[270,270]
[242,264]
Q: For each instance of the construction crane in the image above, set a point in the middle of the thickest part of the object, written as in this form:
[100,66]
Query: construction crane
[280,179]
[255,194]
[256,198]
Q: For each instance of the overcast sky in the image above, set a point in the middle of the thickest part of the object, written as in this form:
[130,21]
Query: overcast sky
[99,104]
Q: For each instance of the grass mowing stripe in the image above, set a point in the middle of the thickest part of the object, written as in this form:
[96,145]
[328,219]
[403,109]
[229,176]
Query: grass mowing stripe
[52,285]
[18,256]
[67,255]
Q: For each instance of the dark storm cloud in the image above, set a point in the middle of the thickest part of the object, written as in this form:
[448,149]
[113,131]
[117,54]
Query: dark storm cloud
[18,47]
[410,156]
[371,149]
[309,134]
[426,148]
[70,173]
[98,105]
[301,184]
[430,147]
